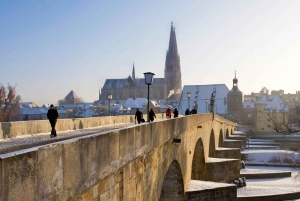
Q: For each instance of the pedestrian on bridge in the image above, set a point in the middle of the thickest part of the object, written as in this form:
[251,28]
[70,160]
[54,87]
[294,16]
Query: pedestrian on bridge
[152,115]
[187,111]
[138,115]
[194,111]
[52,115]
[168,113]
[175,113]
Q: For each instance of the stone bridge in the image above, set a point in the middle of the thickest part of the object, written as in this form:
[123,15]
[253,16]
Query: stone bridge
[171,159]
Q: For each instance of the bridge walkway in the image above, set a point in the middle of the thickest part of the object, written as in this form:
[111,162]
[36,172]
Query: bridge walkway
[32,140]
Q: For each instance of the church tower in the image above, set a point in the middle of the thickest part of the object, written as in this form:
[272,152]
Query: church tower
[235,99]
[133,72]
[173,85]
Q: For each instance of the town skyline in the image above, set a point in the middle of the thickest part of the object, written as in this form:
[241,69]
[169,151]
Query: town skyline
[50,48]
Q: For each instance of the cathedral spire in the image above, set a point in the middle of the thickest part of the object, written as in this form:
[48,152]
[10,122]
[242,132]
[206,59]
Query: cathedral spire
[133,72]
[173,83]
[172,43]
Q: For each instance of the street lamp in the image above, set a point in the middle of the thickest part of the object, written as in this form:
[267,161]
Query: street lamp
[206,100]
[216,109]
[109,97]
[148,80]
[212,102]
[188,96]
[181,108]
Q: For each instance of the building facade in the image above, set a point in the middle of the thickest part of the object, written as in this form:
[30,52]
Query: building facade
[168,87]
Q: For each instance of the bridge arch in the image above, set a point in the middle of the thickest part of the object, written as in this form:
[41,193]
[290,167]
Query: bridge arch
[221,139]
[227,133]
[198,163]
[212,146]
[173,187]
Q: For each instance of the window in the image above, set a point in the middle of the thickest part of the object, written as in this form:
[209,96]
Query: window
[262,129]
[249,115]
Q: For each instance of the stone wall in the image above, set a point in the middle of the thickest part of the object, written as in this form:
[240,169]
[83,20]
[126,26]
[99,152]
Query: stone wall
[19,128]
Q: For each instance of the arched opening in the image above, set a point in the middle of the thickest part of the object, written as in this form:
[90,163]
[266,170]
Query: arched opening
[231,132]
[227,134]
[221,140]
[172,188]
[198,164]
[212,144]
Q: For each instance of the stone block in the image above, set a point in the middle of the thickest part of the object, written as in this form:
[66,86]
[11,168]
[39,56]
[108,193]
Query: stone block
[114,146]
[103,186]
[104,196]
[72,164]
[124,148]
[148,137]
[130,140]
[89,161]
[19,177]
[102,147]
[139,137]
[50,171]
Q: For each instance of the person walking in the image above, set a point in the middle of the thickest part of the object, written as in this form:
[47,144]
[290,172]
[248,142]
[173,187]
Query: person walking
[152,115]
[138,115]
[187,111]
[175,113]
[52,115]
[168,113]
[194,111]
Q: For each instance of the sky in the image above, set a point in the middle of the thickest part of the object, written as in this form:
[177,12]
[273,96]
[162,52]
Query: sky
[48,48]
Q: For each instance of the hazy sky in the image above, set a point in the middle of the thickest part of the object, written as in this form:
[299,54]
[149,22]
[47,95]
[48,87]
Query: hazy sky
[48,48]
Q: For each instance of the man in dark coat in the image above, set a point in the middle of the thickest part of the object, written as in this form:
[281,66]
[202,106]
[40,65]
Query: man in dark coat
[187,111]
[138,115]
[194,111]
[175,113]
[52,115]
[152,115]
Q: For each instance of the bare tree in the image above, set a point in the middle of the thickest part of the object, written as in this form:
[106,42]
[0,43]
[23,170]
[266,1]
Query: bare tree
[281,119]
[9,103]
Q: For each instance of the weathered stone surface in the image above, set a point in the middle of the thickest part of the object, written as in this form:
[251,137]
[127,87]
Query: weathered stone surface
[19,181]
[50,171]
[128,164]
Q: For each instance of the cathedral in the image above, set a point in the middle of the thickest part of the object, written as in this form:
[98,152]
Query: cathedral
[169,87]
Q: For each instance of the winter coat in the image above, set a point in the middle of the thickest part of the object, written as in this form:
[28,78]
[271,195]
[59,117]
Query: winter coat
[187,112]
[52,114]
[175,113]
[168,113]
[138,115]
[152,115]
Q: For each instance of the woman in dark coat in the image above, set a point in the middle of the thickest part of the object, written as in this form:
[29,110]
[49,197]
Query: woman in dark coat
[138,115]
[152,115]
[187,111]
[175,113]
